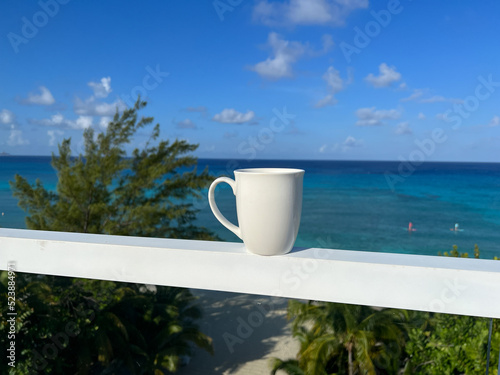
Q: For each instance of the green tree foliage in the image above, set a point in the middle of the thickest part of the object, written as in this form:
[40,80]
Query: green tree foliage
[290,366]
[457,254]
[76,326]
[103,191]
[343,339]
[452,344]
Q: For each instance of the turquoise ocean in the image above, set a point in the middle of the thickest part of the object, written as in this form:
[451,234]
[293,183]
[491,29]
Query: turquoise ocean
[353,205]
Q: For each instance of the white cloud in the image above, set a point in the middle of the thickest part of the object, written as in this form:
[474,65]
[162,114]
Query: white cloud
[231,116]
[434,99]
[7,117]
[351,142]
[44,98]
[91,107]
[417,93]
[306,12]
[186,124]
[439,98]
[101,89]
[421,116]
[52,136]
[199,109]
[82,122]
[335,84]
[495,121]
[285,53]
[58,120]
[373,117]
[104,122]
[327,100]
[388,75]
[16,138]
[403,128]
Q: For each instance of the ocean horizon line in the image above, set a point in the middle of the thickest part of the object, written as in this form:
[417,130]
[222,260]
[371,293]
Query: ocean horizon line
[301,160]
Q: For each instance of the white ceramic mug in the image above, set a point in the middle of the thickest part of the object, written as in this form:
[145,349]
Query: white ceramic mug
[268,206]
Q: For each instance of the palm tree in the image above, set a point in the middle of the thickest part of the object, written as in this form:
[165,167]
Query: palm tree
[160,328]
[290,366]
[77,326]
[340,338]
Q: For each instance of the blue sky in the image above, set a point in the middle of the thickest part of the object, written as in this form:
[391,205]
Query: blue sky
[296,79]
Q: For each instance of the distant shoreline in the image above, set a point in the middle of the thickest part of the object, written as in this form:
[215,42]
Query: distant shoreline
[257,160]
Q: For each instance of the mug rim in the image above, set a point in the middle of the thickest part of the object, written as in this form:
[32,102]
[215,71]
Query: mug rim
[269,171]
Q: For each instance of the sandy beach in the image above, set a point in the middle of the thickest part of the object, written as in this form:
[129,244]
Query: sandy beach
[247,330]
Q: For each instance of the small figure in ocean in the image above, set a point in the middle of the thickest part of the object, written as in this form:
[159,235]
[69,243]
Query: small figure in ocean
[410,227]
[457,228]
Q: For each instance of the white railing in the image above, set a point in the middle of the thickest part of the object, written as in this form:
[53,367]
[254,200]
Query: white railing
[427,283]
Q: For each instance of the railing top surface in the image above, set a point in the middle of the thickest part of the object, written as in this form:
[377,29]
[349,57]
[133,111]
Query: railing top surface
[430,283]
[399,259]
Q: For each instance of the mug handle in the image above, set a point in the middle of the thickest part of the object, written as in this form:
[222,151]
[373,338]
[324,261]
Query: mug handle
[211,200]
